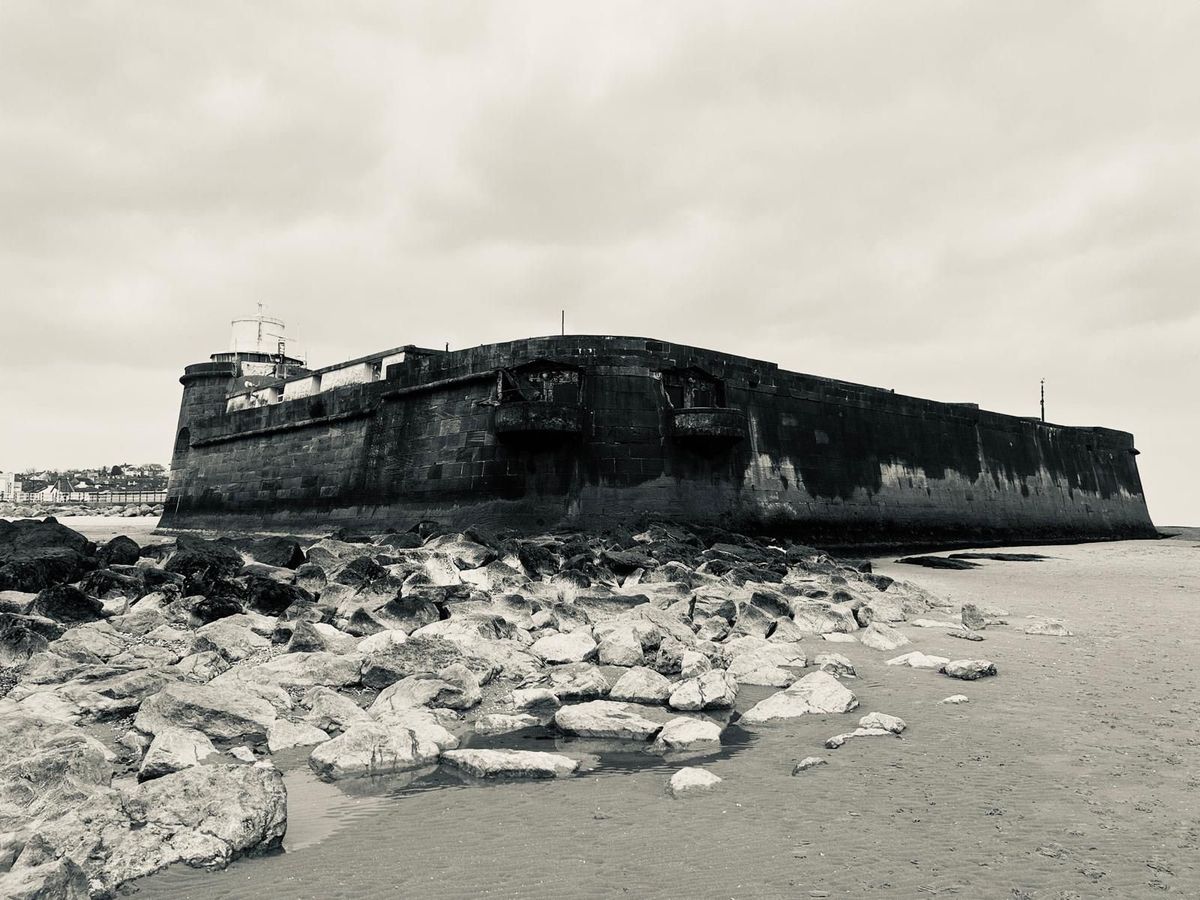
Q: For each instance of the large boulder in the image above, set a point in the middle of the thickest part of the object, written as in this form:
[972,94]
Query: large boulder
[817,692]
[39,554]
[577,646]
[281,551]
[453,687]
[232,637]
[120,551]
[302,670]
[641,685]
[692,780]
[463,552]
[605,719]
[330,711]
[510,763]
[418,655]
[209,559]
[65,603]
[371,748]
[220,712]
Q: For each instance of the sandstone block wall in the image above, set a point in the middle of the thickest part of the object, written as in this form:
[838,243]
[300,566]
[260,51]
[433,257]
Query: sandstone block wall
[833,461]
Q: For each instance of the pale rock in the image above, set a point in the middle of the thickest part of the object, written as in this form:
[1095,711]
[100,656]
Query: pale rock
[565,648]
[499,723]
[641,685]
[878,636]
[918,660]
[955,699]
[817,692]
[370,748]
[382,641]
[840,739]
[174,749]
[835,664]
[510,763]
[329,710]
[969,669]
[692,780]
[620,647]
[1050,629]
[242,753]
[686,733]
[219,712]
[933,623]
[894,724]
[972,618]
[235,640]
[577,681]
[542,699]
[605,719]
[284,735]
[712,690]
[839,638]
[809,762]
[693,663]
[304,670]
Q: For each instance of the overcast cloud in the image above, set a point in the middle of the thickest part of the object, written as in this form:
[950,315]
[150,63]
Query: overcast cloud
[951,199]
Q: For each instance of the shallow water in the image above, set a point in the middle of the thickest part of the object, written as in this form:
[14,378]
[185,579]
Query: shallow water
[1074,773]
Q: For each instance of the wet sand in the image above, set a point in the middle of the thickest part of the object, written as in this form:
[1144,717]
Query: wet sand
[1075,773]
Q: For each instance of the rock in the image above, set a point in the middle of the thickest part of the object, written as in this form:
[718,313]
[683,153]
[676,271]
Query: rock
[272,598]
[641,685]
[242,753]
[840,739]
[894,724]
[303,670]
[18,640]
[329,710]
[955,699]
[969,669]
[1050,629]
[712,690]
[835,664]
[382,641]
[371,748]
[964,635]
[234,639]
[539,699]
[65,603]
[120,551]
[817,692]
[452,688]
[605,719]
[174,749]
[195,556]
[463,552]
[692,780]
[284,552]
[200,667]
[621,647]
[577,681]
[685,733]
[499,723]
[839,638]
[693,664]
[413,657]
[510,763]
[972,618]
[762,665]
[809,762]
[283,735]
[205,816]
[918,660]
[576,646]
[223,713]
[812,617]
[938,562]
[878,636]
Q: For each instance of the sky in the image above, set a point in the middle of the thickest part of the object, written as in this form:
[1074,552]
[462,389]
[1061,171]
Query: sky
[951,199]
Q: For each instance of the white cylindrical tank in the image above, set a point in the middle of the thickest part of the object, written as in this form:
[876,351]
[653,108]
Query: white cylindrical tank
[256,334]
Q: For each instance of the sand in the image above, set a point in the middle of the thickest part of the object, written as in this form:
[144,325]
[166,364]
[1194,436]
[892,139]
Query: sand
[1074,773]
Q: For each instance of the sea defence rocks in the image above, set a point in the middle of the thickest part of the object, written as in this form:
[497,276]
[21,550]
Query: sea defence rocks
[391,655]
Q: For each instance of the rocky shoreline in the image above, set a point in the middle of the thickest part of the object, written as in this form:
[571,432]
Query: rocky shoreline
[145,689]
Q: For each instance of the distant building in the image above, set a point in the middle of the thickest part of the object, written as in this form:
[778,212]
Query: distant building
[9,486]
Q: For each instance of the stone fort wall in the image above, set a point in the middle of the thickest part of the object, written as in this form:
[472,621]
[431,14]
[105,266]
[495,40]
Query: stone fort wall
[612,440]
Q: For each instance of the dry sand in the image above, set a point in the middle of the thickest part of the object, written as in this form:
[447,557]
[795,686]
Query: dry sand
[1075,773]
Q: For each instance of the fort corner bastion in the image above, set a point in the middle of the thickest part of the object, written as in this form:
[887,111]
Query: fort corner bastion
[600,430]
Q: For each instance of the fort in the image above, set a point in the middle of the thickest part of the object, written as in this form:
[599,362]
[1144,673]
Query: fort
[595,431]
